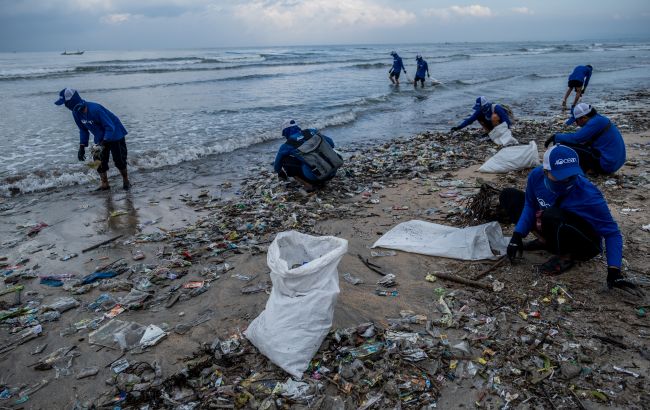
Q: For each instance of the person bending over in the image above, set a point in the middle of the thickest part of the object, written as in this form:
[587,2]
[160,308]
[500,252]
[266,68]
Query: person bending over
[107,130]
[487,114]
[578,81]
[599,143]
[568,215]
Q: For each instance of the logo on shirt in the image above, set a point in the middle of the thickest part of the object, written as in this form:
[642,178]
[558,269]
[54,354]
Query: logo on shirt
[84,122]
[562,161]
[542,203]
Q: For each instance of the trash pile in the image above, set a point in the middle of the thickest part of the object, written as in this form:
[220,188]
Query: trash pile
[509,358]
[515,347]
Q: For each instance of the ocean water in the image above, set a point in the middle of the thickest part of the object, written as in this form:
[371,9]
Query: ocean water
[188,105]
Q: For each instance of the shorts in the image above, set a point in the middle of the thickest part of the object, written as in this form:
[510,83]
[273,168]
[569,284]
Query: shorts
[118,150]
[418,78]
[575,84]
[395,75]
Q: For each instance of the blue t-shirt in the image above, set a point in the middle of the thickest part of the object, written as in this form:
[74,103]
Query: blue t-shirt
[609,143]
[423,68]
[581,73]
[103,124]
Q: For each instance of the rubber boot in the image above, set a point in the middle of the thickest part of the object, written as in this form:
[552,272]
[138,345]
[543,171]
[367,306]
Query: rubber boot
[126,185]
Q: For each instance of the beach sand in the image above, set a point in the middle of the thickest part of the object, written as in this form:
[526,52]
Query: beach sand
[78,219]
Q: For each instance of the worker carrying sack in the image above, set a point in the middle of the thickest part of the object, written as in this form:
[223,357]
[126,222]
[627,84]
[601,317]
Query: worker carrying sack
[318,154]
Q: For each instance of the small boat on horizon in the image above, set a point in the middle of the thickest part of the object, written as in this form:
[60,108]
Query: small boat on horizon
[72,53]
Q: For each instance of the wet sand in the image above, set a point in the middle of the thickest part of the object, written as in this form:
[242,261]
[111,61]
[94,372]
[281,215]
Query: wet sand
[78,219]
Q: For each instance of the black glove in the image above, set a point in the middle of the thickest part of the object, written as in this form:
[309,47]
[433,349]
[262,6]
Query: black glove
[81,154]
[550,140]
[516,246]
[283,175]
[616,280]
[584,90]
[454,129]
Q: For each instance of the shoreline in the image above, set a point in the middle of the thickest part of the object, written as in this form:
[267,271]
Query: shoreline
[200,231]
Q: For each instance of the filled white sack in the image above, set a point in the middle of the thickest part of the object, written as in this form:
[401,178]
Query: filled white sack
[299,312]
[512,159]
[502,135]
[471,243]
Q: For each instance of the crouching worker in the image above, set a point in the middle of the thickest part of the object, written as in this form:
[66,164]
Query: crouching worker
[307,156]
[599,143]
[107,130]
[487,114]
[567,214]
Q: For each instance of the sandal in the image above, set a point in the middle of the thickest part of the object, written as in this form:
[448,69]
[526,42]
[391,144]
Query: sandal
[555,266]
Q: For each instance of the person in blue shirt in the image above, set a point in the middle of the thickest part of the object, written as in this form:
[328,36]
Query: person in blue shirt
[599,143]
[568,215]
[578,81]
[108,132]
[395,70]
[290,161]
[487,114]
[423,68]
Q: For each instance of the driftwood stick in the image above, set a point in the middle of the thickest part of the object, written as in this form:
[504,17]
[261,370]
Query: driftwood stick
[495,265]
[463,281]
[372,266]
[90,248]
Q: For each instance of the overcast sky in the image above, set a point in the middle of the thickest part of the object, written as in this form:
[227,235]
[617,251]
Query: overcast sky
[144,24]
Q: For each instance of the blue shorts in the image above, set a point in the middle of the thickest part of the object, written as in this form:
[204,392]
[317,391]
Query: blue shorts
[418,78]
[395,74]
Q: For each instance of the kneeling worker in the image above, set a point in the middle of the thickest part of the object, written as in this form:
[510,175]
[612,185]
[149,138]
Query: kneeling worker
[307,156]
[568,214]
[599,143]
[107,130]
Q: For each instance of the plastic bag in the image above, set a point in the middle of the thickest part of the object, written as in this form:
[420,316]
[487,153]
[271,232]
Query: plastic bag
[300,310]
[512,158]
[472,243]
[502,135]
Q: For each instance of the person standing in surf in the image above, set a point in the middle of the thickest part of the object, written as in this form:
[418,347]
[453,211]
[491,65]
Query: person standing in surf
[107,130]
[578,81]
[423,68]
[398,66]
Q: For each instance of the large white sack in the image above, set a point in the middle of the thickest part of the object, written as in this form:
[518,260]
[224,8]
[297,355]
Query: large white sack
[472,243]
[502,135]
[300,310]
[512,159]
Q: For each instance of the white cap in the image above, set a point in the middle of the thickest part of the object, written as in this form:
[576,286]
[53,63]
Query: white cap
[580,110]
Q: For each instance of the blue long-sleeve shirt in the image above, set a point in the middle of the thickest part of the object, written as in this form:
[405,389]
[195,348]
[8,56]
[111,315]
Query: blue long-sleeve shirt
[610,143]
[581,73]
[486,114]
[584,200]
[398,65]
[423,68]
[103,124]
[287,150]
